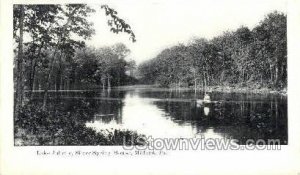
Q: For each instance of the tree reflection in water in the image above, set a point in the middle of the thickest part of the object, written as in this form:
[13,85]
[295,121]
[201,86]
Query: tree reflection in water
[166,113]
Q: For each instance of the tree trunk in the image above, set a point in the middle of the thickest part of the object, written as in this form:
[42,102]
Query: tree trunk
[30,83]
[48,80]
[53,58]
[205,83]
[195,81]
[68,84]
[20,66]
[277,72]
[108,82]
[222,77]
[276,75]
[195,85]
[103,81]
[61,83]
[243,76]
[271,74]
[118,77]
[59,73]
[32,75]
[58,80]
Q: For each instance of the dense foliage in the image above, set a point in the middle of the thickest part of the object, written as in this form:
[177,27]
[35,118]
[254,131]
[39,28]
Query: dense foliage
[88,68]
[244,57]
[36,126]
[49,41]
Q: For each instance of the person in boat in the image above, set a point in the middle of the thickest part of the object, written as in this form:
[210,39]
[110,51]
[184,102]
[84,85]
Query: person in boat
[206,98]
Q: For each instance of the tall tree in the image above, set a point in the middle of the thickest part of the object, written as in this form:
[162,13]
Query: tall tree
[20,62]
[55,32]
[242,57]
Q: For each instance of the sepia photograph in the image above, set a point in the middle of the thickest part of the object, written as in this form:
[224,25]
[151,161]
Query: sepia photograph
[124,74]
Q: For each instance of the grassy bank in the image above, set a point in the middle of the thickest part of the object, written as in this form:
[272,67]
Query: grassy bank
[246,89]
[36,126]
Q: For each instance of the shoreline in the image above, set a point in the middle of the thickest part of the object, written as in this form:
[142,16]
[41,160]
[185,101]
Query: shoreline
[224,89]
[232,89]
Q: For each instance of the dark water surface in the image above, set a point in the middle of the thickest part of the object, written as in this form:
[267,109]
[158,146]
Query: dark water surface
[172,114]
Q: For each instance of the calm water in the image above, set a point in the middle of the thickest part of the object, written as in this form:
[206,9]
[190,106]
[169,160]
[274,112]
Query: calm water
[171,114]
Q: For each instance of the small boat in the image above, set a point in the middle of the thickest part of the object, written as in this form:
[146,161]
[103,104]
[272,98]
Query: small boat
[103,115]
[205,100]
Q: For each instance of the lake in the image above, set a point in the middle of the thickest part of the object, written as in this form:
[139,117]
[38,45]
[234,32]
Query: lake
[165,113]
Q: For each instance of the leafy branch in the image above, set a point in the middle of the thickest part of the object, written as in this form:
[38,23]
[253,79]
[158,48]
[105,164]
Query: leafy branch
[117,24]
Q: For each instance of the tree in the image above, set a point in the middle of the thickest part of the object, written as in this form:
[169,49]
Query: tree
[74,22]
[131,66]
[51,30]
[271,37]
[20,69]
[242,57]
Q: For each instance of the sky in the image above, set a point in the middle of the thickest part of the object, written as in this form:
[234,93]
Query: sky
[161,24]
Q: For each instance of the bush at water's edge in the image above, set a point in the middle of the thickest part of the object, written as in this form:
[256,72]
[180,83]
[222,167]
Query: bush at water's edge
[36,126]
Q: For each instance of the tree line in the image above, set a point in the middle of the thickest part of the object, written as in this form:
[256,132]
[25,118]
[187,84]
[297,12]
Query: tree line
[100,68]
[254,58]
[50,50]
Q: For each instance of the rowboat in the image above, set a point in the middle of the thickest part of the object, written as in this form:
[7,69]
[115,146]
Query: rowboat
[205,100]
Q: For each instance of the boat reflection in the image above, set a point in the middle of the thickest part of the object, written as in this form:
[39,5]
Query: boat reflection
[206,110]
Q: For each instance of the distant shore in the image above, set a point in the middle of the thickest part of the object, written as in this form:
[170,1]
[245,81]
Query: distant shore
[246,90]
[225,89]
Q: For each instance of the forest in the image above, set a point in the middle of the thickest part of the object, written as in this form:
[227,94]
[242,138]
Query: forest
[50,54]
[255,58]
[47,57]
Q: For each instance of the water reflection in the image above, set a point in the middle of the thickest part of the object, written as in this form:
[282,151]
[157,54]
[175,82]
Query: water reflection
[169,114]
[142,115]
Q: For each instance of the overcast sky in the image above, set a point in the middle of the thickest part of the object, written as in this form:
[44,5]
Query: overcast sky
[159,24]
